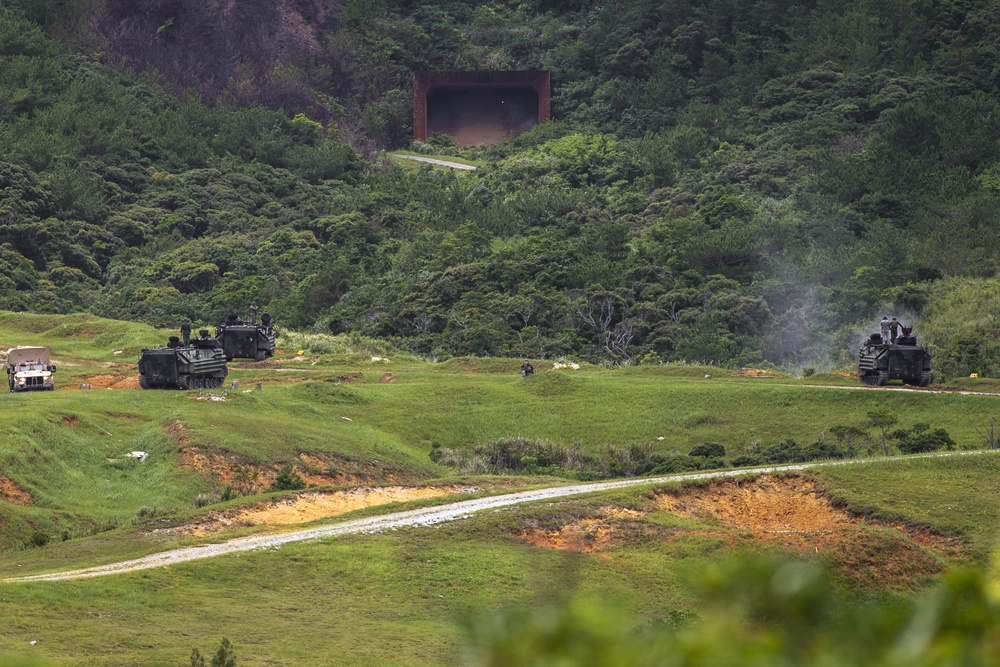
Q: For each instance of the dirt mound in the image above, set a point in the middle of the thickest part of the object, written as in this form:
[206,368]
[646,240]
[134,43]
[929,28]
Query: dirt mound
[98,381]
[304,507]
[12,493]
[104,381]
[131,382]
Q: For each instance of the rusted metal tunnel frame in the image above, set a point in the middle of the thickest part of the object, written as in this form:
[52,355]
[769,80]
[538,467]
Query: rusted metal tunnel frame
[424,83]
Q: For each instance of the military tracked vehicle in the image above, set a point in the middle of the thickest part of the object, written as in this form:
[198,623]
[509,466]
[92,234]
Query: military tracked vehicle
[904,360]
[247,340]
[201,363]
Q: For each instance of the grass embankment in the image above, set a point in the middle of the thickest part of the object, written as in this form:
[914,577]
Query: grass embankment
[414,589]
[377,420]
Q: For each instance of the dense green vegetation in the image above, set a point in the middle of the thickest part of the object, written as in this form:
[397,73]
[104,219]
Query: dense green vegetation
[464,417]
[453,594]
[723,182]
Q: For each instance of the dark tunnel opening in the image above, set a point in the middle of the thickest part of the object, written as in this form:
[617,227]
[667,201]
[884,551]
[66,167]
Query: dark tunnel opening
[483,115]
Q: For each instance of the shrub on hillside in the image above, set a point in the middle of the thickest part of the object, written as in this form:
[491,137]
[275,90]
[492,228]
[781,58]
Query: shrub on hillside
[287,480]
[920,438]
[708,449]
[677,464]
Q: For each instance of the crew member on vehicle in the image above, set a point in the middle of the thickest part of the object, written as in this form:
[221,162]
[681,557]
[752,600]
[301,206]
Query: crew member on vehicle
[885,330]
[894,327]
[253,312]
[186,331]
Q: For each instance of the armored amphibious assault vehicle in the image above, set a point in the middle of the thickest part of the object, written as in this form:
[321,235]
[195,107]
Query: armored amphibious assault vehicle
[247,340]
[201,363]
[903,359]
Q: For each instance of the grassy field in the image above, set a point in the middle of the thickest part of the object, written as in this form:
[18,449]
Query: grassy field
[403,598]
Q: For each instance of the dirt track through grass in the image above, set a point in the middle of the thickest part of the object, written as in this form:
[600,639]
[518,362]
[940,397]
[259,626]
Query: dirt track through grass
[420,517]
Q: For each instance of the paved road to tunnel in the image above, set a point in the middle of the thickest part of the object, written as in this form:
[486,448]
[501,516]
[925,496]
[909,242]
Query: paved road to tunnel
[428,516]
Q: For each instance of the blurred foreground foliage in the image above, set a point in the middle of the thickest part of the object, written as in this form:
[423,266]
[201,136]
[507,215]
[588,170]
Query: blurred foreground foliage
[762,612]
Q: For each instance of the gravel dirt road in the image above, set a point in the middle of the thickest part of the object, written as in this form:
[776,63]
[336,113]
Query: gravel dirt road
[411,518]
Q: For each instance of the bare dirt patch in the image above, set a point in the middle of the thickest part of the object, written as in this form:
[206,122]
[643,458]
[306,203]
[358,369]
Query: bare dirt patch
[388,378]
[131,382]
[224,468]
[584,535]
[769,506]
[12,493]
[177,432]
[581,536]
[786,513]
[792,513]
[752,373]
[104,381]
[305,507]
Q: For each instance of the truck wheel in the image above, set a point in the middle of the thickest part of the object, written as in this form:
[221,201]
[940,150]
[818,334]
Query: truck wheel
[925,378]
[883,378]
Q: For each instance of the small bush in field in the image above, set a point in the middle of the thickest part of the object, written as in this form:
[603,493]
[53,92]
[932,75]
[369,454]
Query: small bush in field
[920,438]
[708,449]
[224,657]
[287,480]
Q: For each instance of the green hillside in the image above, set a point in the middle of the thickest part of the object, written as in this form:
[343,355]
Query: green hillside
[729,195]
[722,182]
[349,423]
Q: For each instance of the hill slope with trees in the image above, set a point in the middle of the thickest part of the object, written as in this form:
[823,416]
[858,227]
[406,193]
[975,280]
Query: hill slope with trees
[722,181]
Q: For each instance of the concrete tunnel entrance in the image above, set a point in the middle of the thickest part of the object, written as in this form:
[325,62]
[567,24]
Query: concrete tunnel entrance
[478,107]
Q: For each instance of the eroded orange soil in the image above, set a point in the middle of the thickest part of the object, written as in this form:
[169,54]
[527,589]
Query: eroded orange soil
[305,507]
[224,468]
[788,512]
[12,493]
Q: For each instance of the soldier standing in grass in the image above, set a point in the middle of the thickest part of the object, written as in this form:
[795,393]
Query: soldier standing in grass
[527,369]
[186,331]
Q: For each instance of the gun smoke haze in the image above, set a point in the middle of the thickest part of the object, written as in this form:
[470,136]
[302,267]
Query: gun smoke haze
[805,335]
[801,333]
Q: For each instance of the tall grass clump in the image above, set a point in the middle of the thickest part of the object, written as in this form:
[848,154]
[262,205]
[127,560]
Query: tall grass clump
[348,345]
[523,456]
